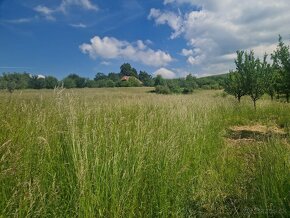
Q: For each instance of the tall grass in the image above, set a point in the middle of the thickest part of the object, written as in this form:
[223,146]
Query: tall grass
[130,153]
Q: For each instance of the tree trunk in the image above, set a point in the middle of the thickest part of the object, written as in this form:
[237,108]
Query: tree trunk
[239,99]
[287,97]
[255,106]
[272,97]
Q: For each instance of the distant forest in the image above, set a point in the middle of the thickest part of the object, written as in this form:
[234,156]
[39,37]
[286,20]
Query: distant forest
[127,77]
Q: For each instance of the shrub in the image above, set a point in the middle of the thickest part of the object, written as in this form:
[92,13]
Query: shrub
[162,90]
[187,91]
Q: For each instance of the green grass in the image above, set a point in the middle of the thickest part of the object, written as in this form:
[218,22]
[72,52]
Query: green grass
[125,152]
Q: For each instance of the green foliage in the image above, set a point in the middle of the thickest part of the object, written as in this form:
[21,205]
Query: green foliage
[211,82]
[131,82]
[187,90]
[3,83]
[114,76]
[105,83]
[146,78]
[127,70]
[249,79]
[91,84]
[74,81]
[51,82]
[234,85]
[281,65]
[37,83]
[174,86]
[21,80]
[100,76]
[69,83]
[11,85]
[159,81]
[162,90]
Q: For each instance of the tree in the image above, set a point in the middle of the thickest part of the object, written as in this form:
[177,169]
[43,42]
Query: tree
[190,82]
[78,82]
[255,75]
[69,83]
[100,76]
[271,82]
[234,85]
[51,82]
[3,83]
[159,81]
[36,83]
[21,80]
[145,78]
[11,86]
[281,63]
[127,70]
[105,83]
[114,76]
[92,84]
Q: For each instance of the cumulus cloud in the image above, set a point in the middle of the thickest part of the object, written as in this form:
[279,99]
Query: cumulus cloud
[165,73]
[186,52]
[219,28]
[112,48]
[171,19]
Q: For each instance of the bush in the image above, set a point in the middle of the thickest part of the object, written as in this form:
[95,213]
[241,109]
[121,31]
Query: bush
[162,90]
[187,91]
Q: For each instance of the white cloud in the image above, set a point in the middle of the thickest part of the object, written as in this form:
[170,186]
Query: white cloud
[171,19]
[20,20]
[64,6]
[78,25]
[85,4]
[219,28]
[186,52]
[165,73]
[106,63]
[45,11]
[112,48]
[177,1]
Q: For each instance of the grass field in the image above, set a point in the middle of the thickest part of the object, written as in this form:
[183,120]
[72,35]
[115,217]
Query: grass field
[130,153]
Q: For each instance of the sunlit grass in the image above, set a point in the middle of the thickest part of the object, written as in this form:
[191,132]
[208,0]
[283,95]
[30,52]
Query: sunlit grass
[126,152]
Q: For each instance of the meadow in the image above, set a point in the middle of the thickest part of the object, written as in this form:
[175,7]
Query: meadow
[126,152]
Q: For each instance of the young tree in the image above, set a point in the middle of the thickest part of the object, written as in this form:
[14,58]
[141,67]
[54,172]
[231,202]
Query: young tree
[255,76]
[281,63]
[234,85]
[271,82]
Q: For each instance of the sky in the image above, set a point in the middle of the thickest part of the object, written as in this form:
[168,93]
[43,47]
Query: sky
[168,37]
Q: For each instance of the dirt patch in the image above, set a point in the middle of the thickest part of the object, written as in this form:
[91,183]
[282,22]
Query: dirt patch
[253,133]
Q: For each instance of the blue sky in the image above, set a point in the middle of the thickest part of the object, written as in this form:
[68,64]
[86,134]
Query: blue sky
[167,37]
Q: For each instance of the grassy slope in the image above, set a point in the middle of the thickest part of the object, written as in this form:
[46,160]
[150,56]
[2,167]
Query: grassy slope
[127,153]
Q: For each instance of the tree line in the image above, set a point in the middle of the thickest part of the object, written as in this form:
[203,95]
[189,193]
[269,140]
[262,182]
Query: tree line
[12,81]
[255,77]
